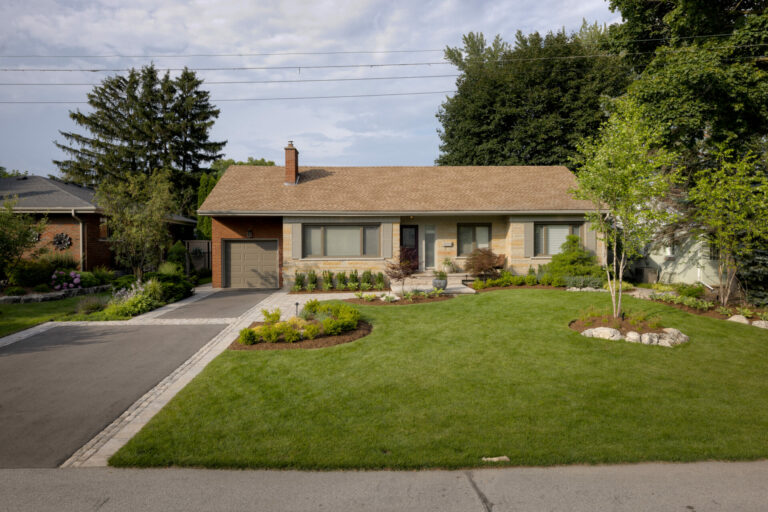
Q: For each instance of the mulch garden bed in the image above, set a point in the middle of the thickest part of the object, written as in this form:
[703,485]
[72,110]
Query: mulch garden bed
[313,292]
[402,302]
[622,325]
[712,313]
[363,329]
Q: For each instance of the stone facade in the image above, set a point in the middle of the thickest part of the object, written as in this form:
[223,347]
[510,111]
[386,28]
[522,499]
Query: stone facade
[291,265]
[510,236]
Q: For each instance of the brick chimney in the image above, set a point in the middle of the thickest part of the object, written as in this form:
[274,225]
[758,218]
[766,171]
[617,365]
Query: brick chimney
[291,164]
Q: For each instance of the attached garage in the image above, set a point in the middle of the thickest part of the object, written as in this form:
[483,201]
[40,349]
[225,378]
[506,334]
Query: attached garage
[251,264]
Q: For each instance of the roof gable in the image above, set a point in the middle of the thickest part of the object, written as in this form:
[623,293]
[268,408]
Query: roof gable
[476,189]
[37,193]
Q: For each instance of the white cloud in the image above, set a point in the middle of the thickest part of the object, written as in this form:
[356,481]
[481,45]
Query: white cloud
[367,131]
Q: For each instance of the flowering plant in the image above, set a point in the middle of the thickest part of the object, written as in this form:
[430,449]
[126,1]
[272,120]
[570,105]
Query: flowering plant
[61,280]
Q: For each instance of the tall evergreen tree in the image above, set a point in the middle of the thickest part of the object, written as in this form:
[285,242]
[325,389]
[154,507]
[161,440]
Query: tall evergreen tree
[527,104]
[140,123]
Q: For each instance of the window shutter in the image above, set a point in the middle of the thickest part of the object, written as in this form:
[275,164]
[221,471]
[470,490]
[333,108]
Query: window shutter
[528,239]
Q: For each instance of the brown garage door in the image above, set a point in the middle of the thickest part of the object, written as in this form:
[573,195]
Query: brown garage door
[251,264]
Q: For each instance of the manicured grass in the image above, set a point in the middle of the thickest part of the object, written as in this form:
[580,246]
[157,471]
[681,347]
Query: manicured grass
[17,317]
[444,384]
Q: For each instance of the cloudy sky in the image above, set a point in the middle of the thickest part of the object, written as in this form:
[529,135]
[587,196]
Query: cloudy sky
[394,130]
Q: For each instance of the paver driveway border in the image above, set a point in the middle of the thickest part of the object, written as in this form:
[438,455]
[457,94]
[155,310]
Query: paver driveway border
[98,450]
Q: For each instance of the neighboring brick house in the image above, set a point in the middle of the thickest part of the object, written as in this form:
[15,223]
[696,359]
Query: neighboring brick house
[75,223]
[269,222]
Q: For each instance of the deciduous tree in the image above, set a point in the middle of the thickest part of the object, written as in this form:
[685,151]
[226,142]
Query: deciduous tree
[625,173]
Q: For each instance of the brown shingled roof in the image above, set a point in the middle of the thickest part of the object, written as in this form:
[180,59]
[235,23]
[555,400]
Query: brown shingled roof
[259,190]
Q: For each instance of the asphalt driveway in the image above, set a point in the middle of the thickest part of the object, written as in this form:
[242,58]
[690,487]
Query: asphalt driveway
[223,304]
[61,387]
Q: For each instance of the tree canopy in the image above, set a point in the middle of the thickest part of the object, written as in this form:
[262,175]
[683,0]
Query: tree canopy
[140,123]
[528,103]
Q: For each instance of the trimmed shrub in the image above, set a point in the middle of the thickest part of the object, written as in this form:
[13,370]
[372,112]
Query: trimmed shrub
[546,279]
[271,317]
[558,281]
[311,331]
[367,278]
[87,280]
[327,280]
[290,334]
[531,279]
[247,337]
[31,272]
[341,281]
[380,282]
[170,268]
[15,290]
[311,279]
[269,333]
[312,306]
[41,288]
[573,260]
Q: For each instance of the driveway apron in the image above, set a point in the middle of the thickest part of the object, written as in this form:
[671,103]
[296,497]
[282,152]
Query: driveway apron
[61,387]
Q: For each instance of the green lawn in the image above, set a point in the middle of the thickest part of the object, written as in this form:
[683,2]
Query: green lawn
[17,317]
[444,384]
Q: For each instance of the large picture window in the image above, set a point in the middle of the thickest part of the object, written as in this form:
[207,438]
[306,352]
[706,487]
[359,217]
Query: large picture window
[473,236]
[340,241]
[549,238]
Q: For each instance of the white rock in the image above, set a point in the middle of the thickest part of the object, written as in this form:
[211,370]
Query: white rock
[389,298]
[587,333]
[739,318]
[761,324]
[502,458]
[606,333]
[665,340]
[675,337]
[649,338]
[632,337]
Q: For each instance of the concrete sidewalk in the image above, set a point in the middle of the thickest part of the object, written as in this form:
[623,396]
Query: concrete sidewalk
[699,487]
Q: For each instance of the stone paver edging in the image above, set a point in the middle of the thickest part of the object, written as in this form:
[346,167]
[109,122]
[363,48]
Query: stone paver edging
[106,443]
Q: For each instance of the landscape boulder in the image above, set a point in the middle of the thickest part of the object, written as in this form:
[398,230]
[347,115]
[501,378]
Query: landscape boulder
[649,338]
[672,337]
[761,324]
[605,333]
[739,318]
[632,337]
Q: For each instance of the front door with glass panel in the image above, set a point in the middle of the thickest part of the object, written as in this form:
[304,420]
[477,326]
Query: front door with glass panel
[409,239]
[429,246]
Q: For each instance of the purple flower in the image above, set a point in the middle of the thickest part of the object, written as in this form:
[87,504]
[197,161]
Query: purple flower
[72,274]
[53,276]
[71,285]
[76,280]
[57,287]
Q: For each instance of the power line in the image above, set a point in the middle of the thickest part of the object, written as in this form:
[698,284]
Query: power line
[257,99]
[278,54]
[347,66]
[258,81]
[182,55]
[240,68]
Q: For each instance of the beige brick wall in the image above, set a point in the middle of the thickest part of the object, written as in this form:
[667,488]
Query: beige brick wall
[291,265]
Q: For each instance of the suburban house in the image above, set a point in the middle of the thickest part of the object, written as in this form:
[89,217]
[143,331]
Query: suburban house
[270,222]
[690,261]
[75,224]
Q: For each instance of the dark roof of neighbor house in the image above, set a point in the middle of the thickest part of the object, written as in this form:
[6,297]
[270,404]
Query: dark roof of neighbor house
[244,190]
[38,194]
